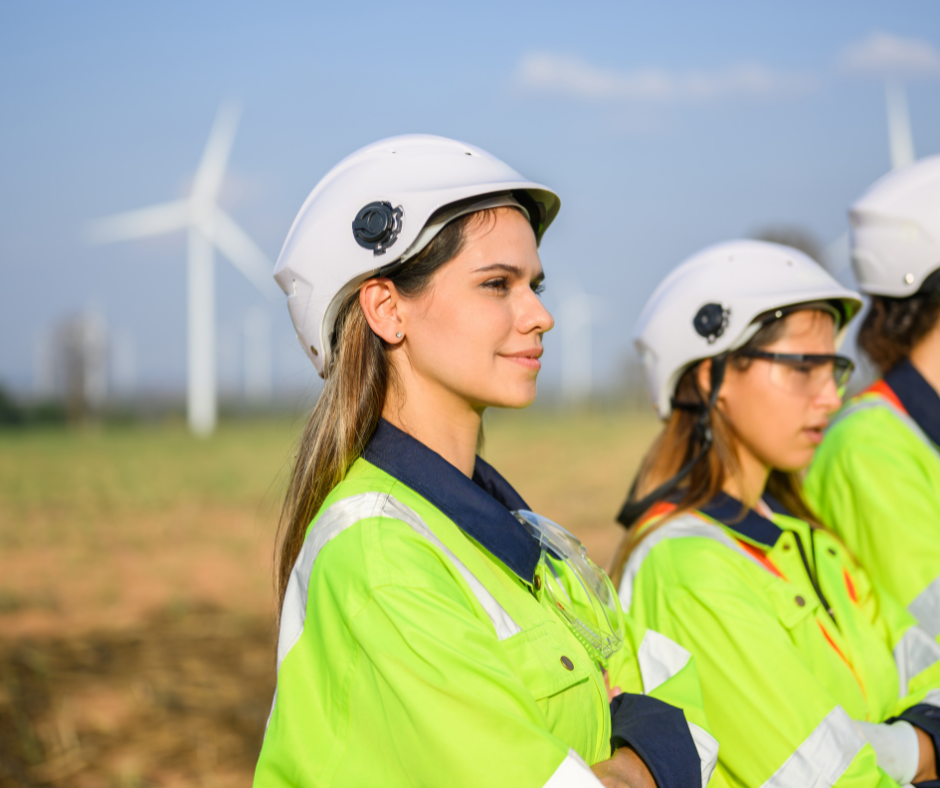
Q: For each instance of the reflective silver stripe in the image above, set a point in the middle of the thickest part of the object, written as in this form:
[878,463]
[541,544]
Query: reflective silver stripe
[707,748]
[932,697]
[502,622]
[916,651]
[683,526]
[821,760]
[660,659]
[340,516]
[880,402]
[926,608]
[572,772]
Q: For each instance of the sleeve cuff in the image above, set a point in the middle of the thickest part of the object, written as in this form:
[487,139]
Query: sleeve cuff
[659,734]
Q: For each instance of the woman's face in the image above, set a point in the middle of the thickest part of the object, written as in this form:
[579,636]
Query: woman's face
[778,412]
[476,333]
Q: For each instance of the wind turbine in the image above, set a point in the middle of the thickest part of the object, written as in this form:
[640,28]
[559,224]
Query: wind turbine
[576,316]
[901,148]
[900,138]
[209,228]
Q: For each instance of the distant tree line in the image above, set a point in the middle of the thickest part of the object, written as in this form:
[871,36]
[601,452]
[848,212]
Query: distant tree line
[20,414]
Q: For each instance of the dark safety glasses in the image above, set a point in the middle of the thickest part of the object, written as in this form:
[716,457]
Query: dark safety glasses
[805,374]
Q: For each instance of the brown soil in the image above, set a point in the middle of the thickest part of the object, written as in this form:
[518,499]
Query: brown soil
[181,700]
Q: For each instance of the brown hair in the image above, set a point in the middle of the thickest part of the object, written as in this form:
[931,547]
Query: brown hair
[680,441]
[893,326]
[356,385]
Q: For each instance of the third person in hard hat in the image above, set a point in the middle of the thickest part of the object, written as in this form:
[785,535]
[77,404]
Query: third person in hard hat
[811,675]
[876,477]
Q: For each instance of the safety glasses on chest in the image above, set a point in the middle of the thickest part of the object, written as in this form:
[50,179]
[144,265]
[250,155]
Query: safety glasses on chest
[805,374]
[579,591]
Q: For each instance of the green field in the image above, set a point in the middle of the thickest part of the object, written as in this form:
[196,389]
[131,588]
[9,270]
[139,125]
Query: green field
[136,604]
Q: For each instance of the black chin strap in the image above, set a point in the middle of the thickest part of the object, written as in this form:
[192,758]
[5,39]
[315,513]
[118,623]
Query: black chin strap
[702,433]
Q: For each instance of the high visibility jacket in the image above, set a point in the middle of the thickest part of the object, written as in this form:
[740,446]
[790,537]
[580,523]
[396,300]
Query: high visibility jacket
[416,648]
[783,679]
[875,480]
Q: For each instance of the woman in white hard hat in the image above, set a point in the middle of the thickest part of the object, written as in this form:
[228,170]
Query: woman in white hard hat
[810,676]
[433,631]
[876,478]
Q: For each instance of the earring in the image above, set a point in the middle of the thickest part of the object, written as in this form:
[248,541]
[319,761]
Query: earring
[398,334]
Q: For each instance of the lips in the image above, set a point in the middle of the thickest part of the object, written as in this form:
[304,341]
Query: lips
[529,358]
[815,434]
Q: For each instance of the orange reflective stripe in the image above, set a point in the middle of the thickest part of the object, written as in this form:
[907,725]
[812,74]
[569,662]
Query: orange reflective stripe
[849,585]
[882,389]
[656,510]
[838,651]
[761,556]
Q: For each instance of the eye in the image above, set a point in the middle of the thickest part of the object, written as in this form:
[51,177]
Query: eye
[499,284]
[538,288]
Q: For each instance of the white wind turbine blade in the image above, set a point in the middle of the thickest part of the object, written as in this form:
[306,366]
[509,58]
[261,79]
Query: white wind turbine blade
[900,138]
[215,156]
[244,253]
[127,226]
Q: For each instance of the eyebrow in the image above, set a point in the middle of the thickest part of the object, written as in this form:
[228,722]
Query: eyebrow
[515,270]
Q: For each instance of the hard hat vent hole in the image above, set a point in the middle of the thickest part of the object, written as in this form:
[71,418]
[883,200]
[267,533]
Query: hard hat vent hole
[711,321]
[314,350]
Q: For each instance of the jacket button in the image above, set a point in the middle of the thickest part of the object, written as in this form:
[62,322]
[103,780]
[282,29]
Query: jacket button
[569,665]
[799,600]
[537,582]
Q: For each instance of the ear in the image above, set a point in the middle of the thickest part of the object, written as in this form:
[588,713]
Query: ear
[380,302]
[703,377]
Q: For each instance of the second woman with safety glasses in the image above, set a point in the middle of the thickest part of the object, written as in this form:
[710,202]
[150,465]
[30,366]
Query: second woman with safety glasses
[811,675]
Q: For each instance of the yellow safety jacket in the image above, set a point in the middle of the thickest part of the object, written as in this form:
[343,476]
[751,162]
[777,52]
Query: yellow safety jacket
[416,648]
[792,640]
[875,480]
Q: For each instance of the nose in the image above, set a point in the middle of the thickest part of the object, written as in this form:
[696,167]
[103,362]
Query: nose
[828,397]
[534,316]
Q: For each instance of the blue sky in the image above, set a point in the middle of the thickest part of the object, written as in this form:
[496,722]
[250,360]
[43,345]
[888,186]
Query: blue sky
[664,127]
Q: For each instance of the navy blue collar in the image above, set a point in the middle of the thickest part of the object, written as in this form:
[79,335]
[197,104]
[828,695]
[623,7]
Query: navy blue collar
[481,506]
[917,396]
[727,510]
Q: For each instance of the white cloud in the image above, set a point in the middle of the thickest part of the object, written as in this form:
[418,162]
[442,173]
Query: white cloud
[883,55]
[568,75]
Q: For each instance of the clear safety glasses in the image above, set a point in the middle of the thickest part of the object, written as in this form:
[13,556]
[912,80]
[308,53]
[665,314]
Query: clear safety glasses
[805,374]
[578,589]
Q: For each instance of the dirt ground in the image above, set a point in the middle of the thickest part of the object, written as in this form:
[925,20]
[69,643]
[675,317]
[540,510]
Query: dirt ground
[136,604]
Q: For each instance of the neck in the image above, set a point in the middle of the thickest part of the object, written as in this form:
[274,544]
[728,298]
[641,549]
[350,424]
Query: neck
[445,424]
[926,357]
[748,485]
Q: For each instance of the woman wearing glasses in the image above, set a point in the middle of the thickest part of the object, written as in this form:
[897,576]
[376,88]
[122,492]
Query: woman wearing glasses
[810,676]
[876,477]
[432,630]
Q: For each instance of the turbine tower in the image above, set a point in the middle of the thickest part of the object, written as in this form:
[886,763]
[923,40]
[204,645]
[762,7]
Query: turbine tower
[576,316]
[838,254]
[900,138]
[209,228]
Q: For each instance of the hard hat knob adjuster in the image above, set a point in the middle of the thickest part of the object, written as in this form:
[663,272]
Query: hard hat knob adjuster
[711,321]
[377,226]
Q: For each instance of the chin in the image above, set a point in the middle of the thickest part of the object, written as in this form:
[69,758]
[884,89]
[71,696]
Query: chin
[516,399]
[795,462]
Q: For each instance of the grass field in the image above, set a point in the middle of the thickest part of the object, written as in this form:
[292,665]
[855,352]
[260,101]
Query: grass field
[136,603]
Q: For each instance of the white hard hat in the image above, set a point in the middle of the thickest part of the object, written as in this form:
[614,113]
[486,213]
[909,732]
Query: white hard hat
[708,304]
[372,210]
[896,230]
